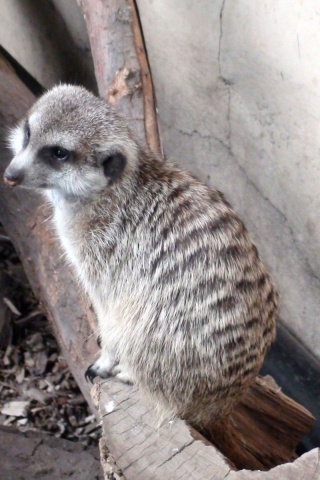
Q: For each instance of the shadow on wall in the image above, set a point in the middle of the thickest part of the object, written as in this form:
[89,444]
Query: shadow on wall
[53,34]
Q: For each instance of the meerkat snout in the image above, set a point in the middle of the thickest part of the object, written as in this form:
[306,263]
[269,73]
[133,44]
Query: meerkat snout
[185,307]
[12,177]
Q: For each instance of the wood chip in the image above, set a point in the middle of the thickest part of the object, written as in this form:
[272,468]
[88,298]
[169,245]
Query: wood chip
[38,395]
[22,422]
[6,358]
[20,374]
[35,342]
[12,307]
[28,360]
[50,385]
[28,318]
[77,400]
[9,420]
[17,408]
[40,362]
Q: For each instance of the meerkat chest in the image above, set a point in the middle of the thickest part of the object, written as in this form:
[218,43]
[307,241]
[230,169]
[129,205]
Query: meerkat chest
[67,235]
[82,251]
[70,236]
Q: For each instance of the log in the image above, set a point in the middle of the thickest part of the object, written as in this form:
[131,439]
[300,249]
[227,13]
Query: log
[26,221]
[175,451]
[121,65]
[141,450]
[264,429]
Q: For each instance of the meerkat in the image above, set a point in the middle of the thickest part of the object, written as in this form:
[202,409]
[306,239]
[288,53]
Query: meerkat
[186,310]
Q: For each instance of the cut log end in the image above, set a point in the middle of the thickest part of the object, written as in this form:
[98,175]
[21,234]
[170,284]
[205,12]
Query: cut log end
[264,429]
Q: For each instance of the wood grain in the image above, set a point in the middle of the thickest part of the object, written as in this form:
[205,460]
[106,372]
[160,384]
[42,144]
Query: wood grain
[142,450]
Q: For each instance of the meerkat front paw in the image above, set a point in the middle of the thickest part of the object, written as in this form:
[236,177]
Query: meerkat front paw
[101,368]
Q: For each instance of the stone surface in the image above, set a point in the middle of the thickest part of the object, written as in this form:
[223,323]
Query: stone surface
[30,455]
[238,94]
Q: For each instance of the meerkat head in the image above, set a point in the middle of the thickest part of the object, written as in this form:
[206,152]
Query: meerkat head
[71,141]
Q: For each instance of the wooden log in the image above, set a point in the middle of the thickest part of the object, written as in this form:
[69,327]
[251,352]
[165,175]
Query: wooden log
[141,450]
[264,429]
[175,451]
[121,65]
[306,467]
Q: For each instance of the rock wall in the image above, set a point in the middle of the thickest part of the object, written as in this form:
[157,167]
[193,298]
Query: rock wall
[238,93]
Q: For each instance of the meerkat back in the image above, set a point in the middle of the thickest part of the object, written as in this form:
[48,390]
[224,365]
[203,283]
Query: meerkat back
[185,307]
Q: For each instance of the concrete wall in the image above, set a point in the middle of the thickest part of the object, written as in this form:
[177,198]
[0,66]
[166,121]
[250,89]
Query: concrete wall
[49,39]
[238,90]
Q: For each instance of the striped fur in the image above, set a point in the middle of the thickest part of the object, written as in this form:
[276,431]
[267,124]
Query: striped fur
[185,307]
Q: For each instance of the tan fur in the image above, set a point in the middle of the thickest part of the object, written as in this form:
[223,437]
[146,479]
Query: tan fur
[185,307]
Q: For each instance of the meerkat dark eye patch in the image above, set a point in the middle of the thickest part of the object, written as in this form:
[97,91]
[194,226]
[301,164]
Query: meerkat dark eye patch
[113,165]
[26,137]
[55,156]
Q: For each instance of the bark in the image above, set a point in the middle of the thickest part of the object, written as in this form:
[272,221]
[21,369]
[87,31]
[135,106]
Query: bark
[264,429]
[121,65]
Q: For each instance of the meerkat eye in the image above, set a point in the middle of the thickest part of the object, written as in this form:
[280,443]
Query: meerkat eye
[61,154]
[26,138]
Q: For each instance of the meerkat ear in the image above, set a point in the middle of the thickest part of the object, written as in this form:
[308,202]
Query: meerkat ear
[113,164]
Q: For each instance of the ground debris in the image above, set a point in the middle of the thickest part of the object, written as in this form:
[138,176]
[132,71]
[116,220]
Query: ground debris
[15,409]
[37,389]
[31,455]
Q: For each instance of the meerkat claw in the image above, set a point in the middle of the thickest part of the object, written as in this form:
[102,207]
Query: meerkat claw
[90,374]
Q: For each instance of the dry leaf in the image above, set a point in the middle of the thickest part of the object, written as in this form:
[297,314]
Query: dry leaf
[12,307]
[17,408]
[38,395]
[20,374]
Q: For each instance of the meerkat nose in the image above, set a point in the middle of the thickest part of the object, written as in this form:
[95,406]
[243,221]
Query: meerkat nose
[12,179]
